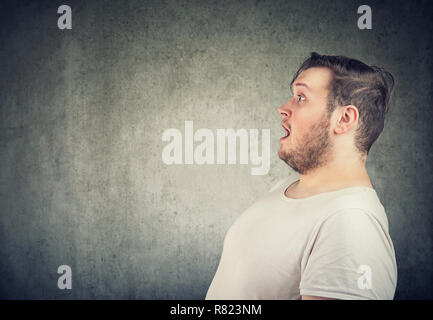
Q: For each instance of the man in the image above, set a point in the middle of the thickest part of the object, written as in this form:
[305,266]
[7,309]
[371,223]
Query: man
[324,234]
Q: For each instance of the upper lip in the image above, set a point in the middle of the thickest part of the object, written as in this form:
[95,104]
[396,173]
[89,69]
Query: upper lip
[285,127]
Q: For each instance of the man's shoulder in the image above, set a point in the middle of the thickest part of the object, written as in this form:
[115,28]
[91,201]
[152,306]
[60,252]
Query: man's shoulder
[363,201]
[357,197]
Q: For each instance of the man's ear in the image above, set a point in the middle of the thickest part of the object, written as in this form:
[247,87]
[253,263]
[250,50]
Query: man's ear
[347,118]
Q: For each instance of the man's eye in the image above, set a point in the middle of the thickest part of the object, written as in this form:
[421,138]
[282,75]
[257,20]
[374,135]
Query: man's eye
[301,98]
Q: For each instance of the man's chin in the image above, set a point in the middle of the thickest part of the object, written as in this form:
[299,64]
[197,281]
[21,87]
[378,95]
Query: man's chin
[283,154]
[283,157]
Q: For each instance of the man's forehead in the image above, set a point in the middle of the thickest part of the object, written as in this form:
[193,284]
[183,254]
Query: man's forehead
[314,79]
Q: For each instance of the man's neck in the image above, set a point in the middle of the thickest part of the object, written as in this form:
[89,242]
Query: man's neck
[333,176]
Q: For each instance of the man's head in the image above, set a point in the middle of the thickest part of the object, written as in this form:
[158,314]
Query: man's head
[338,107]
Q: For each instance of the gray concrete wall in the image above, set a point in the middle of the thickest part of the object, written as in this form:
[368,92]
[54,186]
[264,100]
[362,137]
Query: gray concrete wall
[82,113]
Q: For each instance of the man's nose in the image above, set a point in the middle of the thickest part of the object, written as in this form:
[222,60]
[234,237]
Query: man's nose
[285,110]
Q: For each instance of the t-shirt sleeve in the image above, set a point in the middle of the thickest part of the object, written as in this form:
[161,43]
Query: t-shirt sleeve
[351,257]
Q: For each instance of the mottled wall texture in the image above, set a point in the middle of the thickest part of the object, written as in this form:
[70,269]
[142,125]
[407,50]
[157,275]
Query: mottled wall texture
[83,111]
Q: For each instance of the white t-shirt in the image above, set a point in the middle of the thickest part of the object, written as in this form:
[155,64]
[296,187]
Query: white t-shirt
[333,244]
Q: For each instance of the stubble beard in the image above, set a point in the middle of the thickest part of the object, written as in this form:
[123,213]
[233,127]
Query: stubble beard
[313,151]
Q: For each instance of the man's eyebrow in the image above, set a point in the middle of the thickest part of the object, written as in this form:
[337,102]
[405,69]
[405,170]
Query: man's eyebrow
[300,84]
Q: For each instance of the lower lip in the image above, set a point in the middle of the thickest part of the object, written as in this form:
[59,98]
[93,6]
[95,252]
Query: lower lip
[284,138]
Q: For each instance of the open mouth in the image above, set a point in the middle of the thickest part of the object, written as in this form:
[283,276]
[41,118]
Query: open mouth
[287,133]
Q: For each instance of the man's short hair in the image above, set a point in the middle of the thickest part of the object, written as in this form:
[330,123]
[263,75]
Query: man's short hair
[354,83]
